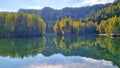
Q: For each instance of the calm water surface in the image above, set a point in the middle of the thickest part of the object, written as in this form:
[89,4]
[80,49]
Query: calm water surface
[60,52]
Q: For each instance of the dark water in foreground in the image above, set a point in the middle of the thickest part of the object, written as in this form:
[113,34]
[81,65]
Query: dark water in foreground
[60,52]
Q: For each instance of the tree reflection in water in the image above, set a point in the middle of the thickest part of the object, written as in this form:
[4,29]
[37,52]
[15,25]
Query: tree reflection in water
[85,46]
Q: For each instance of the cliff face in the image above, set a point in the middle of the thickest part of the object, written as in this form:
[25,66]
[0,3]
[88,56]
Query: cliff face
[51,15]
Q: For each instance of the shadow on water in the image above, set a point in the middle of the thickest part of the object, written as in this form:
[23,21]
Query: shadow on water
[86,46]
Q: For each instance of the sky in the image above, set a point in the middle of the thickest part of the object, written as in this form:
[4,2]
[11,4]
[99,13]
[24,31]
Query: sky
[15,5]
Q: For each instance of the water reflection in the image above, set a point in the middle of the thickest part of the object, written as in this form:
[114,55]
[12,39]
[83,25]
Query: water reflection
[60,52]
[21,48]
[96,47]
[55,61]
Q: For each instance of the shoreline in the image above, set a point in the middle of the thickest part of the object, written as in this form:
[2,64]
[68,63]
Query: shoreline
[113,35]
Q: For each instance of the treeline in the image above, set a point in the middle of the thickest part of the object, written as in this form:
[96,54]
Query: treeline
[50,15]
[69,27]
[108,19]
[105,21]
[109,26]
[21,25]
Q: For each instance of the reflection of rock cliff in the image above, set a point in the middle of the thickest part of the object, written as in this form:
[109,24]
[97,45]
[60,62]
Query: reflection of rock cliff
[21,47]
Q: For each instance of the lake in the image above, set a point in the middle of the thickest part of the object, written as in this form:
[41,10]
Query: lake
[60,52]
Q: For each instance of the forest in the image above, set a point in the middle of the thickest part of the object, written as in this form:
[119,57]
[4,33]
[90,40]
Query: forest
[105,21]
[21,25]
[102,19]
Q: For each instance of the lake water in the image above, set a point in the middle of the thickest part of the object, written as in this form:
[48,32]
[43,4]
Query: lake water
[60,52]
